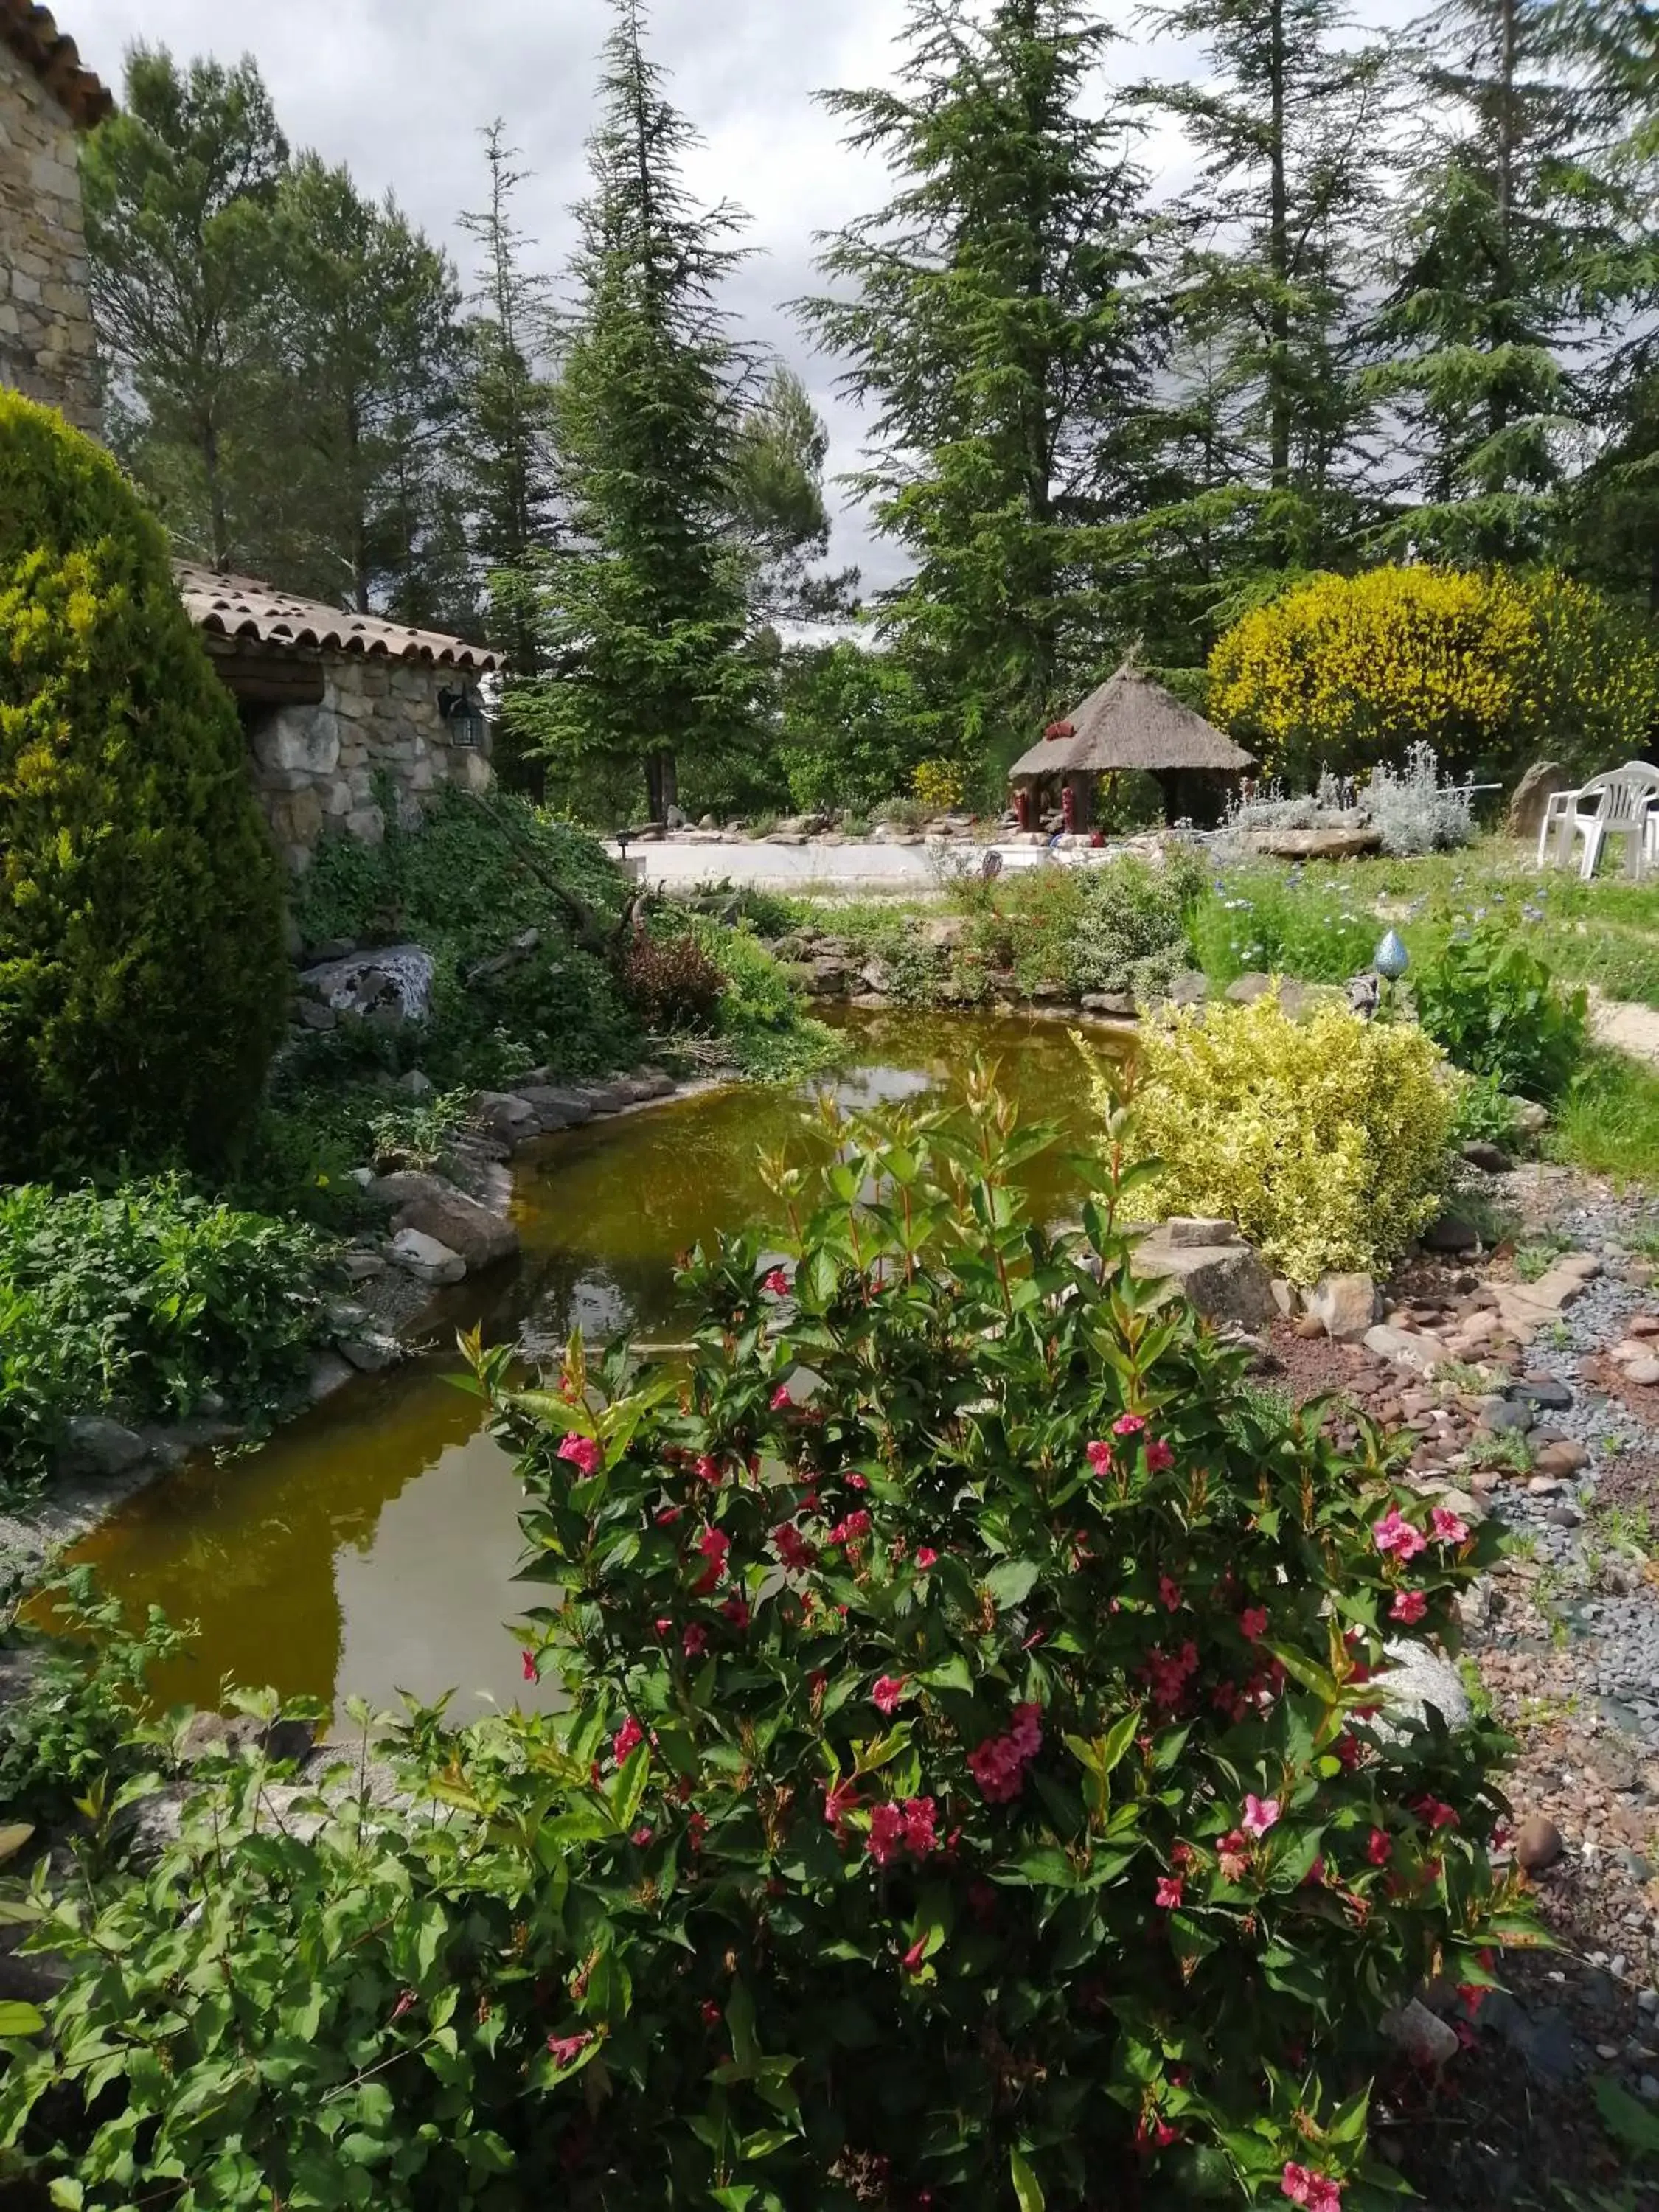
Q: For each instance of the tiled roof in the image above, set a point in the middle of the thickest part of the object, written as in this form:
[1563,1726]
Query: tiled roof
[55,61]
[238,606]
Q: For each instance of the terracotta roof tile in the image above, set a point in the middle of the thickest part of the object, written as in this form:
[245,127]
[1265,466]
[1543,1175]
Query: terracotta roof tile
[53,58]
[238,606]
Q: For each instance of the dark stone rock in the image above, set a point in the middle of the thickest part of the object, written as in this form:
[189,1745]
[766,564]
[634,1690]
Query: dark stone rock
[1507,1418]
[1451,1233]
[1543,1391]
[1491,1159]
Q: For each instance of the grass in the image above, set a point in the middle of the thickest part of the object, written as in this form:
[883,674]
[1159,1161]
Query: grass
[1608,1122]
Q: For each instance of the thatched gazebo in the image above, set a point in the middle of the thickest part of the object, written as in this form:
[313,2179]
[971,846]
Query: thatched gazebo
[1129,725]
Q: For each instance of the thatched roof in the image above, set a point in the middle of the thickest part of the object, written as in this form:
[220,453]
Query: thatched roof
[1131,722]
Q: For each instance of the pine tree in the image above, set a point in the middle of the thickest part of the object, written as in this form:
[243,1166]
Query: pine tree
[507,449]
[1266,413]
[369,351]
[181,191]
[645,610]
[779,509]
[1500,230]
[999,329]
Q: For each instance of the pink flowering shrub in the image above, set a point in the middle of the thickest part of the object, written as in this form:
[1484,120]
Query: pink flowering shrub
[1023,1824]
[973,1792]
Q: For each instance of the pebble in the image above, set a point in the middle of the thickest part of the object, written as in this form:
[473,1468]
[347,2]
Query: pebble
[1538,1845]
[1647,2089]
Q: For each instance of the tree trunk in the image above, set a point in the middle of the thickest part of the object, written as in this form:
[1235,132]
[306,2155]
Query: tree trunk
[220,521]
[1278,256]
[662,783]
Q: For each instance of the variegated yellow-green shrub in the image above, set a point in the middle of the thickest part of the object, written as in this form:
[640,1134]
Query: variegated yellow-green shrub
[1326,1140]
[1346,671]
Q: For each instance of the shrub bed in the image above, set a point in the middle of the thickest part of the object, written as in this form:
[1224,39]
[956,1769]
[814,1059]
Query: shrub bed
[142,1303]
[1326,1140]
[971,1791]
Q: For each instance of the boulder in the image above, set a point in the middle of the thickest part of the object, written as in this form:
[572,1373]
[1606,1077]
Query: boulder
[506,1115]
[1333,844]
[372,1353]
[1406,1348]
[426,1259]
[449,1218]
[1187,1232]
[1491,1159]
[556,1108]
[1225,1282]
[827,979]
[1537,1843]
[329,1373]
[1247,989]
[1119,1005]
[101,1449]
[396,975]
[1346,1305]
[1451,1233]
[1532,797]
[1417,1677]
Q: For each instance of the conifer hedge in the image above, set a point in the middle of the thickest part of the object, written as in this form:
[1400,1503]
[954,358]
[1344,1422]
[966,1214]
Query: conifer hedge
[141,970]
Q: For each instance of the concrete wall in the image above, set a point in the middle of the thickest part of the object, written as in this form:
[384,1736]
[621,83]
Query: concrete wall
[316,767]
[47,346]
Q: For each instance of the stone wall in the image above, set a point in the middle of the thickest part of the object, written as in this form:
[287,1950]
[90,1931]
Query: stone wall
[316,767]
[47,346]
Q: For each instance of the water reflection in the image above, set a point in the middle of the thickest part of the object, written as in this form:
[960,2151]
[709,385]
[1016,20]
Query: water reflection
[370,1547]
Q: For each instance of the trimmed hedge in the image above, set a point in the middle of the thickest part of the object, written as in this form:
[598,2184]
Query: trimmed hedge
[143,981]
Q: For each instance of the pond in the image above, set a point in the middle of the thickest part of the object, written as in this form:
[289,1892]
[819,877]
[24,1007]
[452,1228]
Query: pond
[369,1548]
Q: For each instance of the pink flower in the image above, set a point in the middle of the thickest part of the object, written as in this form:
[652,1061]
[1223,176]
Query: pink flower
[1448,1528]
[1260,1814]
[668,1515]
[565,2050]
[1169,1594]
[780,1397]
[919,1836]
[641,1836]
[999,1764]
[888,1693]
[714,1544]
[695,1641]
[1099,1456]
[1313,2191]
[1027,1734]
[1128,1424]
[792,1548]
[1347,1749]
[1396,1533]
[1435,1812]
[858,1482]
[886,1833]
[532,1673]
[735,1610]
[916,1954]
[1168,1892]
[1253,1622]
[1233,1856]
[1408,1606]
[778,1283]
[708,1469]
[1380,1849]
[926,1558]
[406,2003]
[582,1452]
[855,1526]
[1159,1458]
[626,1738]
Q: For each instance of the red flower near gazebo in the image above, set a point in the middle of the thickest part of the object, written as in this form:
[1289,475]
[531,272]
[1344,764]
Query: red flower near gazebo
[1055,731]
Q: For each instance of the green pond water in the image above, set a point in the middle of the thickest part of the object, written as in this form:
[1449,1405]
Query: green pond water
[369,1548]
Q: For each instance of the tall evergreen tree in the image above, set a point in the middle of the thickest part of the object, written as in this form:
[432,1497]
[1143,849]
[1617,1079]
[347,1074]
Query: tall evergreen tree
[778,510]
[646,609]
[999,331]
[181,189]
[369,352]
[508,446]
[1500,230]
[1267,415]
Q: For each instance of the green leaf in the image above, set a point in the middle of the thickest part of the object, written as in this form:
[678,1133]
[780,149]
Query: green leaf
[19,2018]
[12,1839]
[1010,1583]
[1026,2186]
[1632,2124]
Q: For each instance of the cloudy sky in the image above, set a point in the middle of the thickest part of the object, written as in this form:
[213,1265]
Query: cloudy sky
[398,88]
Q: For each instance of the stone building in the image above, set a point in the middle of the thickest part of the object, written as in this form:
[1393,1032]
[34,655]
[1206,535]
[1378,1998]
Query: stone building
[344,712]
[46,97]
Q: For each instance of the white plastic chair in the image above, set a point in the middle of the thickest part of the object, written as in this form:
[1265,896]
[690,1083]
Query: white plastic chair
[1621,805]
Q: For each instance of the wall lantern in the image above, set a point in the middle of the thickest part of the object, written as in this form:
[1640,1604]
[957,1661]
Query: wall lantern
[463,719]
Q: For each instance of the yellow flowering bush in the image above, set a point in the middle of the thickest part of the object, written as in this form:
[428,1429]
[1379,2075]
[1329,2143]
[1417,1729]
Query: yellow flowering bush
[1326,1140]
[940,786]
[1348,671]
